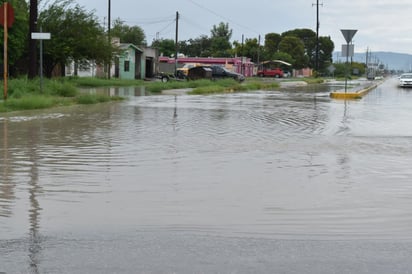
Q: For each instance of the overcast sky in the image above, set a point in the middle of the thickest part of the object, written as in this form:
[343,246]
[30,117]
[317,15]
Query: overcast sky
[383,25]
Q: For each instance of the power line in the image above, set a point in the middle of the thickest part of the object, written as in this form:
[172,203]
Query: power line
[221,16]
[149,21]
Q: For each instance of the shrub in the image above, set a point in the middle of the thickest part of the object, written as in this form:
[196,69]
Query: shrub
[29,102]
[63,89]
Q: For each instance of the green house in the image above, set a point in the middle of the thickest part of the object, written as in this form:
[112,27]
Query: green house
[134,62]
[128,65]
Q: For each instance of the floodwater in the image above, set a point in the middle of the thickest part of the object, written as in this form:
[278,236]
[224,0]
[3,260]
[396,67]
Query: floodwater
[261,182]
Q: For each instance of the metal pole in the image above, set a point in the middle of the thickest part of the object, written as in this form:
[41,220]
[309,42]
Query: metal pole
[347,65]
[41,62]
[177,41]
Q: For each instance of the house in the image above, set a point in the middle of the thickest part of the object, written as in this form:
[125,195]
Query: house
[135,63]
[127,64]
[131,62]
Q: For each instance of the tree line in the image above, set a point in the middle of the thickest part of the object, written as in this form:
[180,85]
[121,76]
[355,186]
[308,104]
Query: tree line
[77,36]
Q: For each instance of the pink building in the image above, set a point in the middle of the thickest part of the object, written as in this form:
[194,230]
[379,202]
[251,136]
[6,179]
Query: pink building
[240,65]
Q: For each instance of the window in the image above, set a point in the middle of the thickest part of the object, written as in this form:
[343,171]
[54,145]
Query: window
[126,65]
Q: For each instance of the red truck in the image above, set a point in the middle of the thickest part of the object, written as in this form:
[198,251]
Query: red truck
[270,72]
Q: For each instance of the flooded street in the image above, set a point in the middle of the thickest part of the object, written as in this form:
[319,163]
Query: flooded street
[261,182]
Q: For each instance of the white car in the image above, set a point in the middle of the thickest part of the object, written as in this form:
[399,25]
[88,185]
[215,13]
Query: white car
[405,80]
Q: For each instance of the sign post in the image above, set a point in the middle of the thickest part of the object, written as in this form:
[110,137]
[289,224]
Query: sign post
[6,19]
[41,36]
[348,35]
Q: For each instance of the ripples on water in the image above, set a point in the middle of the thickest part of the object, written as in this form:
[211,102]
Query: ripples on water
[276,164]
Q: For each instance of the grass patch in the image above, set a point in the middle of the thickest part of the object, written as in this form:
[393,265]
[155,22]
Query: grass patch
[88,99]
[24,94]
[29,102]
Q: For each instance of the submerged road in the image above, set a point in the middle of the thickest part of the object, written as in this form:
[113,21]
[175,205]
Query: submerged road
[287,181]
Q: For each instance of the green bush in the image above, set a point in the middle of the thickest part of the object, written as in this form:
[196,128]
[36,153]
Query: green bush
[29,102]
[64,89]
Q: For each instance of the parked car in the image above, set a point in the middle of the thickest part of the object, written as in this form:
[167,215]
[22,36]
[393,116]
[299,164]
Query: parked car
[270,72]
[217,72]
[405,80]
[287,74]
[199,72]
[185,69]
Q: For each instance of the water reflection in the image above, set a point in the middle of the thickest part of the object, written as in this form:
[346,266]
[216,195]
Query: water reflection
[35,190]
[6,185]
[279,164]
[118,91]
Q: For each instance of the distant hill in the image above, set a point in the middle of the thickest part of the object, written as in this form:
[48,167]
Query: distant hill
[391,60]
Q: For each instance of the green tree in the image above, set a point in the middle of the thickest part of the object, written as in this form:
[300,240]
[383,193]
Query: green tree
[200,47]
[166,47]
[127,34]
[326,47]
[220,40]
[284,57]
[76,36]
[249,49]
[294,47]
[17,38]
[308,37]
[271,46]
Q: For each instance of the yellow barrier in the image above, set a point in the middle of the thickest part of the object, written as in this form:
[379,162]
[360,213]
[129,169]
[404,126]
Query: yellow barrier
[352,95]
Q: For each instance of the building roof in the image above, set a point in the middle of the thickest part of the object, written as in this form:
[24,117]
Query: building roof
[125,46]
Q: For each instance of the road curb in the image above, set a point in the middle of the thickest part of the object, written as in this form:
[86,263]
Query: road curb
[357,94]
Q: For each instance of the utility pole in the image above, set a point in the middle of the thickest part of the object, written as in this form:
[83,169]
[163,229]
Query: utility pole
[176,41]
[109,37]
[32,73]
[317,35]
[241,57]
[258,51]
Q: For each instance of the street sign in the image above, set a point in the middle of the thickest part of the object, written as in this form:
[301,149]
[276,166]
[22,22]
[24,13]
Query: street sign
[40,35]
[6,14]
[348,34]
[348,50]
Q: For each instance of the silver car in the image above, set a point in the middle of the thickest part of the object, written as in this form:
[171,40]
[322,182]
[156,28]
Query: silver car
[405,80]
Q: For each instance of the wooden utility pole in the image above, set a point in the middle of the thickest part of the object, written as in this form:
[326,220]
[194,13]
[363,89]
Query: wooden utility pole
[109,37]
[32,73]
[317,35]
[176,42]
[5,59]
